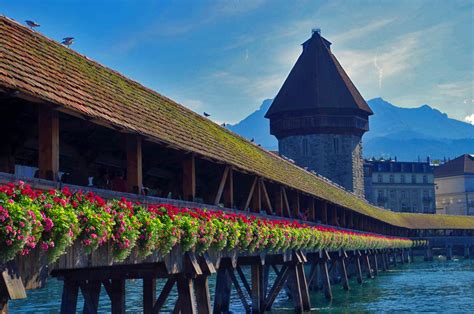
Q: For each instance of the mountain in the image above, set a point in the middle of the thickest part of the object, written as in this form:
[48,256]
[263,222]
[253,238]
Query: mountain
[256,126]
[408,133]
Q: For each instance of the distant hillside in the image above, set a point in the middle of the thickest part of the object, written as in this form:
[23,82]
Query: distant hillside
[407,133]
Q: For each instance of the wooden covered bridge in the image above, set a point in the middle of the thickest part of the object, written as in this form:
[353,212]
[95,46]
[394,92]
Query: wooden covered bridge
[68,121]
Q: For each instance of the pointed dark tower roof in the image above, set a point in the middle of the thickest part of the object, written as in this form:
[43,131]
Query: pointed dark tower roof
[318,97]
[318,82]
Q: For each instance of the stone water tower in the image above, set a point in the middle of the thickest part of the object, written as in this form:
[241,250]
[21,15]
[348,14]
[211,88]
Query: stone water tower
[319,117]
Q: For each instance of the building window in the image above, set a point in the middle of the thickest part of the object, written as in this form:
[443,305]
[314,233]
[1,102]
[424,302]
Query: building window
[392,194]
[380,178]
[305,147]
[404,194]
[425,179]
[391,178]
[402,178]
[413,179]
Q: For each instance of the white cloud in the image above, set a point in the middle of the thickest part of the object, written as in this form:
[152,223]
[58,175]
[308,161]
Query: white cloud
[361,31]
[470,119]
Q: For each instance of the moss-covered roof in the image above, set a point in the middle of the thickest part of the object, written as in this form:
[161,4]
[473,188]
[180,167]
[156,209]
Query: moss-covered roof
[38,66]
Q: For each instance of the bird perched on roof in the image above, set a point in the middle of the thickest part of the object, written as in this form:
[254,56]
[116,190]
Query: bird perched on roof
[206,114]
[32,24]
[223,125]
[67,41]
[252,140]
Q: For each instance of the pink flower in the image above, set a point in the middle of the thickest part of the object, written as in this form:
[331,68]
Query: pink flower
[44,246]
[9,242]
[22,224]
[9,229]
[48,224]
[94,236]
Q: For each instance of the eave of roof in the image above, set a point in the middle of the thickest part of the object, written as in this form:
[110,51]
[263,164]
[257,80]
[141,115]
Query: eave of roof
[40,67]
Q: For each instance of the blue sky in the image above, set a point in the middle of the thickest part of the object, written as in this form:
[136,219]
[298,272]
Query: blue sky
[226,57]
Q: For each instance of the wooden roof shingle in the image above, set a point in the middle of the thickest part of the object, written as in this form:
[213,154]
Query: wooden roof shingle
[41,67]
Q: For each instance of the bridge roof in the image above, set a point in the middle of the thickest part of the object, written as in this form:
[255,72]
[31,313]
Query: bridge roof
[42,68]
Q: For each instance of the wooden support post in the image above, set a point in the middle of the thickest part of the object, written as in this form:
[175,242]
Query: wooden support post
[229,190]
[278,196]
[286,203]
[48,143]
[303,287]
[189,177]
[186,302]
[220,190]
[69,297]
[201,285]
[256,204]
[251,193]
[313,282]
[266,197]
[134,164]
[323,264]
[149,294]
[449,252]
[376,264]
[223,290]
[239,290]
[116,291]
[351,219]
[91,292]
[293,286]
[163,295]
[429,253]
[467,251]
[295,205]
[358,266]
[402,256]
[343,222]
[324,212]
[312,209]
[367,265]
[345,279]
[258,297]
[334,217]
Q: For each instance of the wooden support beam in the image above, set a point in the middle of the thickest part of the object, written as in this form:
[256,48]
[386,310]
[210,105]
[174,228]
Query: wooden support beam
[91,292]
[313,277]
[343,222]
[312,209]
[149,294]
[222,291]
[278,201]
[345,279]
[257,296]
[358,267]
[293,284]
[324,212]
[367,265]
[163,295]
[277,286]
[69,297]
[334,216]
[220,190]
[229,190]
[186,302]
[295,204]
[237,287]
[376,264]
[250,195]
[303,287]
[48,143]
[189,177]
[256,203]
[134,164]
[286,203]
[244,280]
[266,197]
[201,285]
[323,264]
[115,288]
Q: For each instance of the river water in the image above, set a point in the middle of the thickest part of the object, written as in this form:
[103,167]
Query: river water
[440,286]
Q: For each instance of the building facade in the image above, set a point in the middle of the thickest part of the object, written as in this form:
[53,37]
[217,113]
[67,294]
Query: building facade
[454,182]
[319,117]
[400,186]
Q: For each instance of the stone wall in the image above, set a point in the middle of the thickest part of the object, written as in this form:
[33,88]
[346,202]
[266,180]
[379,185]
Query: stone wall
[335,156]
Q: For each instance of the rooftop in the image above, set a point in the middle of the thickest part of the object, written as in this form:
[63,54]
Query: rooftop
[47,71]
[461,165]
